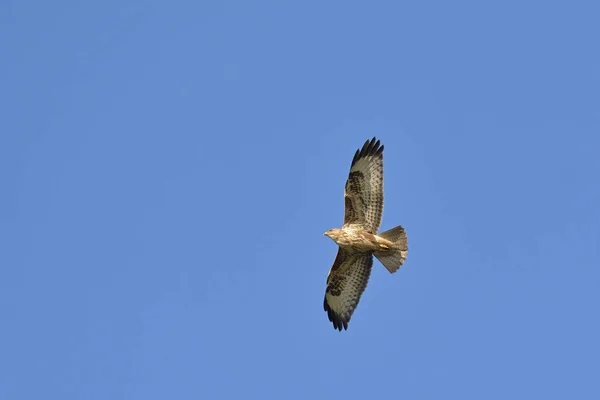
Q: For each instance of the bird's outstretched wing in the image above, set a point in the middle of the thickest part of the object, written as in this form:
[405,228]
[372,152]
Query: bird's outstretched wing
[346,282]
[363,195]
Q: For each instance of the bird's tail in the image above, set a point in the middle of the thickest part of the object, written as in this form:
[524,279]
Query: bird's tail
[394,257]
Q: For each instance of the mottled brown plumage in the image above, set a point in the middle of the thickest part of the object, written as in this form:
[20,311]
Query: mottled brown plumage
[358,240]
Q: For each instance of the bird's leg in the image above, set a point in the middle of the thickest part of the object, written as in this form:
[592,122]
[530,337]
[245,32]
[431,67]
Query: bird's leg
[383,246]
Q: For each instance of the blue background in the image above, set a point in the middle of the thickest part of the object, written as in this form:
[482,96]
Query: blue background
[167,170]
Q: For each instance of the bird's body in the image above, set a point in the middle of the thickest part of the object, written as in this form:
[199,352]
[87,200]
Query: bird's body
[358,239]
[354,238]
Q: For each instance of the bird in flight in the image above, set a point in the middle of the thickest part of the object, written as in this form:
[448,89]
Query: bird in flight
[358,240]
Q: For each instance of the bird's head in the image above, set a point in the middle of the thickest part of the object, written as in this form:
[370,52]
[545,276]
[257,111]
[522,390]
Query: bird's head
[332,234]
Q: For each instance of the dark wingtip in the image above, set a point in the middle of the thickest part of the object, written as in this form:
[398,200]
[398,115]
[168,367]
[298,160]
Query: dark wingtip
[336,320]
[372,147]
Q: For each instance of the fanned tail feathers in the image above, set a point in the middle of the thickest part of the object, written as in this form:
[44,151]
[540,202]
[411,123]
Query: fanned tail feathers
[393,258]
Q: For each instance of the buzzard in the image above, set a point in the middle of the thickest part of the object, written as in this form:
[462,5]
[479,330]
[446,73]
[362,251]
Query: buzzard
[358,239]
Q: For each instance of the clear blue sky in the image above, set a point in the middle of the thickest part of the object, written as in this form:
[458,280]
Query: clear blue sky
[167,170]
